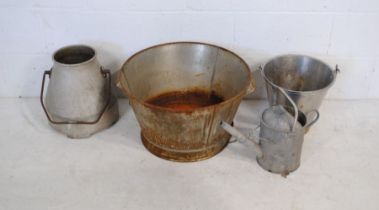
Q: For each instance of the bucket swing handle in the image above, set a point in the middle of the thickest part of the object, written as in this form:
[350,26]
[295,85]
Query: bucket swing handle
[106,74]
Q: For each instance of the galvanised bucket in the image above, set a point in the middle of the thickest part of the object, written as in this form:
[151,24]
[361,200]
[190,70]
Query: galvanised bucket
[305,79]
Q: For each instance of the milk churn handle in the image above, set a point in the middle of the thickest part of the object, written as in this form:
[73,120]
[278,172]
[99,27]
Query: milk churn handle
[104,72]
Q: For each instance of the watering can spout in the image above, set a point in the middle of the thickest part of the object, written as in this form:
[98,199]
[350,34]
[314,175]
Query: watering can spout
[241,137]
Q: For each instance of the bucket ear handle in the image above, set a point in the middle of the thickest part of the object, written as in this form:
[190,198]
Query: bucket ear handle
[105,72]
[240,136]
[122,83]
[251,88]
[260,68]
[315,119]
[337,70]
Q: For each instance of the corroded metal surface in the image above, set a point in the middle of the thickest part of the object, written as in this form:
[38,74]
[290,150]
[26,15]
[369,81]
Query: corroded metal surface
[185,135]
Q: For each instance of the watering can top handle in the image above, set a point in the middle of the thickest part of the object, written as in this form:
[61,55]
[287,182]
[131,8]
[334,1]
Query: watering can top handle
[286,95]
[294,107]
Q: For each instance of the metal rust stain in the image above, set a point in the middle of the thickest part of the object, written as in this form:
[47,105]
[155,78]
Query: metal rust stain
[189,134]
[185,101]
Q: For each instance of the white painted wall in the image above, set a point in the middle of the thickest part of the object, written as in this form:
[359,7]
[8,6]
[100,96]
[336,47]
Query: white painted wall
[344,32]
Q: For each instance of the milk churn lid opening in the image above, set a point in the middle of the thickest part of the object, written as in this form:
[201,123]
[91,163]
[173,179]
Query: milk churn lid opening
[279,118]
[74,54]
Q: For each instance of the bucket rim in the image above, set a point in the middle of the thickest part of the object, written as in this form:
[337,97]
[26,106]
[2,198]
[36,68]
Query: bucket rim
[72,46]
[312,92]
[121,79]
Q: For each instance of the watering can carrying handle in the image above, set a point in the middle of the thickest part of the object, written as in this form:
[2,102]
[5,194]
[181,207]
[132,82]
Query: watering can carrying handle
[104,72]
[315,119]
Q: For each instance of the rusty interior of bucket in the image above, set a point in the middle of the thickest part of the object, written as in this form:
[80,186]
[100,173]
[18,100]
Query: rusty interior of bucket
[74,54]
[185,100]
[185,67]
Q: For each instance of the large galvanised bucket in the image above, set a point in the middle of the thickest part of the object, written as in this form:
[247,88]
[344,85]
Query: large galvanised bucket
[184,131]
[305,79]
